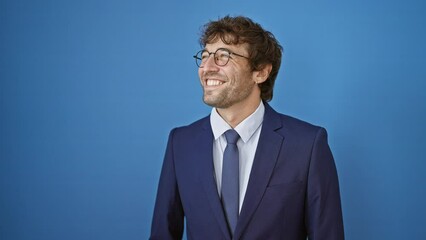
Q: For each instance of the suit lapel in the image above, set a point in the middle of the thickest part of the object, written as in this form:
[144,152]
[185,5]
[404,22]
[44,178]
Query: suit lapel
[204,152]
[267,152]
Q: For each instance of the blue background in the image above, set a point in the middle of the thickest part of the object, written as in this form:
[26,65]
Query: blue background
[90,89]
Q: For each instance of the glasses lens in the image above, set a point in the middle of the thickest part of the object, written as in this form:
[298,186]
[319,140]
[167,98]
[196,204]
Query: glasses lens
[201,58]
[221,57]
[204,55]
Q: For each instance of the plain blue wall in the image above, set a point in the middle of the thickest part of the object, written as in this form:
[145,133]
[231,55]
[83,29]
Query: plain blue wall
[90,89]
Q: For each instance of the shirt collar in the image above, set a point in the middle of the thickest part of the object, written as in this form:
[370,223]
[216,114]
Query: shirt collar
[245,129]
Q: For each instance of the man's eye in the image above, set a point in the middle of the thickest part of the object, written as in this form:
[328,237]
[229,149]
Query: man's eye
[224,55]
[204,56]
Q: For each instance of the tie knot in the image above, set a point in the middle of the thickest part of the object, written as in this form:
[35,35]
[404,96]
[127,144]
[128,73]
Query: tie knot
[231,136]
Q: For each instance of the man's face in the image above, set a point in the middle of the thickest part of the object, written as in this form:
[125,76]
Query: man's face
[225,86]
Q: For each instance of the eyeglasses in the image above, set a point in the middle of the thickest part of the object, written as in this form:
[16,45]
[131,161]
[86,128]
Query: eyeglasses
[221,57]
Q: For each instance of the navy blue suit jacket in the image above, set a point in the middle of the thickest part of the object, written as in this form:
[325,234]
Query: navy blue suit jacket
[293,190]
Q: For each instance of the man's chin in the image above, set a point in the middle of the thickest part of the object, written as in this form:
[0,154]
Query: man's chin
[215,103]
[210,100]
[209,103]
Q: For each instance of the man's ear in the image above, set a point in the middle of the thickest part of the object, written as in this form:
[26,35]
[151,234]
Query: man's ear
[261,75]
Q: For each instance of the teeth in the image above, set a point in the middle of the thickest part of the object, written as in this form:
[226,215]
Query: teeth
[214,83]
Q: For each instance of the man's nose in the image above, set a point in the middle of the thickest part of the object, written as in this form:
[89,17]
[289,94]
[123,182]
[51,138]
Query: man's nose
[210,65]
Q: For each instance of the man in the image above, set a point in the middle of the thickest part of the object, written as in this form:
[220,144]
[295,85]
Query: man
[246,171]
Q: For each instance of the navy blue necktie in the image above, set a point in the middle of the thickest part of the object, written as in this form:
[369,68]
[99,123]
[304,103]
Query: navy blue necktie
[230,179]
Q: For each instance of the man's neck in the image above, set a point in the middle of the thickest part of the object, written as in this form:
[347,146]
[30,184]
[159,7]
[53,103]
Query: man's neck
[235,114]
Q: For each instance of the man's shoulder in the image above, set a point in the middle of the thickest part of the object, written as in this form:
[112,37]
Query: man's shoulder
[294,122]
[200,123]
[294,126]
[196,126]
[270,112]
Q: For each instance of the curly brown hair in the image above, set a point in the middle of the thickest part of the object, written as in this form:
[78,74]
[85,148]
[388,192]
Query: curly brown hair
[263,47]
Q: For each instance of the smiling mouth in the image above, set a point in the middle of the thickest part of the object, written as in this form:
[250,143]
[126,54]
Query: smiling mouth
[211,82]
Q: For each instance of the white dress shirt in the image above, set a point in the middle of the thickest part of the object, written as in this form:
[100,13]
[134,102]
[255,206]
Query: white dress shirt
[249,131]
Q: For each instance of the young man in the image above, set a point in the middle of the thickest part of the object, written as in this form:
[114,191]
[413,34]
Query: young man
[246,171]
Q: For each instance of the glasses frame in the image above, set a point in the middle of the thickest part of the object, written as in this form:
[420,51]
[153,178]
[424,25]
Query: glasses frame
[214,56]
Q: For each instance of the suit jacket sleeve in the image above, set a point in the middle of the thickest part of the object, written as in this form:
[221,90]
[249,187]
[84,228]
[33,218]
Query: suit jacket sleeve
[323,209]
[168,219]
